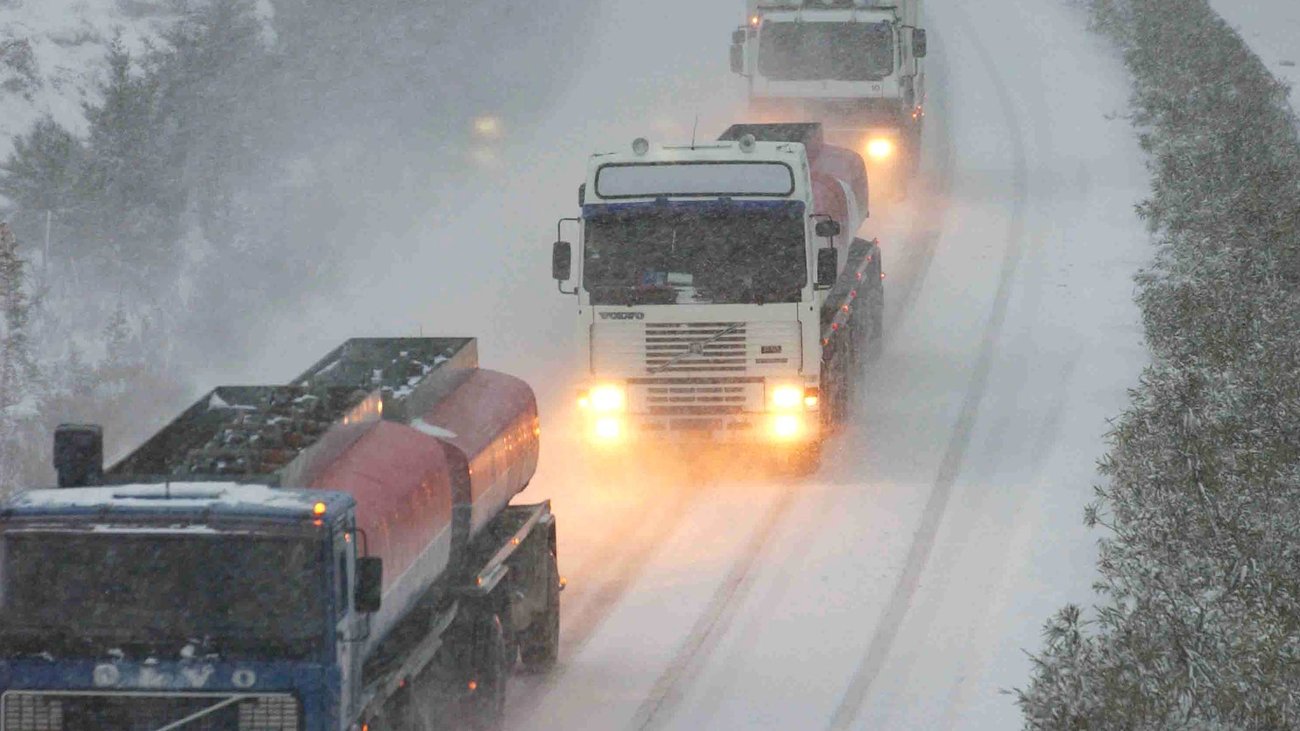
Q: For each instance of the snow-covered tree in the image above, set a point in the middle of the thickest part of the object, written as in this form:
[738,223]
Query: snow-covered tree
[17,372]
[1198,625]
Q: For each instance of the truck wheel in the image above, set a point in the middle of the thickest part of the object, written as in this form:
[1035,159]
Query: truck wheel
[539,645]
[485,670]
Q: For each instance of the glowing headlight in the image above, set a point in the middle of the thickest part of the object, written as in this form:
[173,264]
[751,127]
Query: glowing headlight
[607,399]
[880,149]
[786,426]
[787,397]
[608,429]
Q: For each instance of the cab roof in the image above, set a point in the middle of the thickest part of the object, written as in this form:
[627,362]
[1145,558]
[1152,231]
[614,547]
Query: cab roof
[792,153]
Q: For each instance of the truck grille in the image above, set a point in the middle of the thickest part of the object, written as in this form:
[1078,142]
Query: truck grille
[39,711]
[673,347]
[696,348]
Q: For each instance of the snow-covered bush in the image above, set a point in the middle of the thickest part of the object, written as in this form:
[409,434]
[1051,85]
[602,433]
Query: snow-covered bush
[1199,622]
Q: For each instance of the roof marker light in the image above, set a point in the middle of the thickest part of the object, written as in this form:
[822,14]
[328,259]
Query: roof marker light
[640,146]
[747,143]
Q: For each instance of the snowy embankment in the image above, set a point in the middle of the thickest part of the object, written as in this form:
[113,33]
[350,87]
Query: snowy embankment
[1272,30]
[52,57]
[1197,620]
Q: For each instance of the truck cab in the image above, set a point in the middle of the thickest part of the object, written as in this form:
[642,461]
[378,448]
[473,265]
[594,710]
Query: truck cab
[234,606]
[337,553]
[854,65]
[702,277]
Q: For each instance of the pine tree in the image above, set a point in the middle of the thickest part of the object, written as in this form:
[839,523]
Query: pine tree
[132,221]
[17,372]
[45,168]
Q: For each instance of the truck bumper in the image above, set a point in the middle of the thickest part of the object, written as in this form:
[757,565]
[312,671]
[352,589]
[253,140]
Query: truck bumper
[757,429]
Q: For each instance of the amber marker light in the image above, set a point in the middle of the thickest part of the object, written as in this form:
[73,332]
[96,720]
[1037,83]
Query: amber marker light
[318,509]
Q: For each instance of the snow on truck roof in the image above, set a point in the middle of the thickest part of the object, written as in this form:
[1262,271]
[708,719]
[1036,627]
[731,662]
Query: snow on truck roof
[710,151]
[741,169]
[220,498]
[255,433]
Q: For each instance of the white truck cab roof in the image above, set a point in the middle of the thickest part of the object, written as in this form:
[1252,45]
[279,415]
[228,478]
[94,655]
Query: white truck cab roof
[746,169]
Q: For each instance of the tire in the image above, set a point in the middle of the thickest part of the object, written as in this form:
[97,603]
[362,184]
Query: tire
[539,645]
[485,670]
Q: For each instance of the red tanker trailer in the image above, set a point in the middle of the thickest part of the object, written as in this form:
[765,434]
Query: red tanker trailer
[396,460]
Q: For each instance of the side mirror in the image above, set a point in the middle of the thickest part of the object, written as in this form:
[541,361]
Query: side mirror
[561,261]
[828,228]
[828,267]
[79,455]
[738,37]
[918,42]
[582,195]
[737,59]
[370,584]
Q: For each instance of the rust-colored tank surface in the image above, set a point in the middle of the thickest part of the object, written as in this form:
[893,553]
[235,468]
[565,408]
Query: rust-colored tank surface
[402,483]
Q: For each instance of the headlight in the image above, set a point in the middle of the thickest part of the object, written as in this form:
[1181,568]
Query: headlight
[787,397]
[607,399]
[880,149]
[608,429]
[787,426]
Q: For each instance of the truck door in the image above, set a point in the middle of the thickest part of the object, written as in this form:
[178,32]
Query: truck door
[349,630]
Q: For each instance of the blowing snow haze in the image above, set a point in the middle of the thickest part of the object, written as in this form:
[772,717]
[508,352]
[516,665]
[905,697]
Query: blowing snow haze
[1016,449]
[211,171]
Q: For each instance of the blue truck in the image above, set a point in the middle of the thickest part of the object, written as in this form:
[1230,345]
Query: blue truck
[336,553]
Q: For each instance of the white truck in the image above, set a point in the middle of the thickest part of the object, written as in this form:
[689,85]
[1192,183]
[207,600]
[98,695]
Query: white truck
[854,65]
[717,300]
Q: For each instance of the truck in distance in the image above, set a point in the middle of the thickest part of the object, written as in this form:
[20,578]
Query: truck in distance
[333,554]
[854,65]
[718,301]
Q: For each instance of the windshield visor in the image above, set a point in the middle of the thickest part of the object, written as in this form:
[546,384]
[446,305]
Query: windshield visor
[232,594]
[693,253]
[682,179]
[826,51]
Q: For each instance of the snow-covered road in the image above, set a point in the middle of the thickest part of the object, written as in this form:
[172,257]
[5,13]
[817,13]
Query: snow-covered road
[900,586]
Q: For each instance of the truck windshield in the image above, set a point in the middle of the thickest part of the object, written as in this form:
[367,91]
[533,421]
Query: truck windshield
[826,51]
[732,253]
[234,595]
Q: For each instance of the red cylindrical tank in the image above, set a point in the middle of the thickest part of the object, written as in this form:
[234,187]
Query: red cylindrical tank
[468,455]
[847,167]
[492,419]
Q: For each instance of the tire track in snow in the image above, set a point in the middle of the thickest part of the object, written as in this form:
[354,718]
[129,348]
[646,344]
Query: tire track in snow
[665,694]
[628,549]
[900,600]
[923,239]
